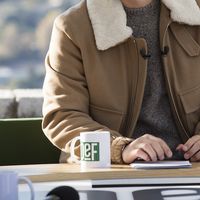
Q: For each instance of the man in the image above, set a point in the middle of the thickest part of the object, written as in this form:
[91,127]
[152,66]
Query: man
[131,67]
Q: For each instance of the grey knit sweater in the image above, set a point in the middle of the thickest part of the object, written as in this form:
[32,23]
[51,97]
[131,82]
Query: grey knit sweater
[155,116]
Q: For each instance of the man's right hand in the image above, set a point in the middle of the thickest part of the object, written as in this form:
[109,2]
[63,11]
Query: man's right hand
[147,148]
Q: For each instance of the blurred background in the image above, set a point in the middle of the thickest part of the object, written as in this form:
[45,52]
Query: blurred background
[25,30]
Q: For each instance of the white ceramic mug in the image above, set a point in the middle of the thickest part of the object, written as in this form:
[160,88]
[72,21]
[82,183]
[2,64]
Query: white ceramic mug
[9,181]
[94,149]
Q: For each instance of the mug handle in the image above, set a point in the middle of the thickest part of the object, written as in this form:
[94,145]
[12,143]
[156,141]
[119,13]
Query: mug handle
[29,183]
[73,142]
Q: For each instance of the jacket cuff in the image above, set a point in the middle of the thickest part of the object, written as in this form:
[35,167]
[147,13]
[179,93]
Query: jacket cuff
[117,146]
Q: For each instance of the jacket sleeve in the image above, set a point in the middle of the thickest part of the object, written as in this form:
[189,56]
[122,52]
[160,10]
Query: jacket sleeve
[66,97]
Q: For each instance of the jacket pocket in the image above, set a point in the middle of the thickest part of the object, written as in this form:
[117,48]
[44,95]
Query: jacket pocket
[191,103]
[185,39]
[107,117]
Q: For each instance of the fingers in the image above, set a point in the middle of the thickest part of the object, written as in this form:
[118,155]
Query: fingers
[129,155]
[167,151]
[191,148]
[159,146]
[181,147]
[196,157]
[191,142]
[140,154]
[148,148]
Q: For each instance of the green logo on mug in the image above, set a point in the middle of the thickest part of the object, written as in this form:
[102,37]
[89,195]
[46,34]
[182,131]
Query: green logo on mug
[90,151]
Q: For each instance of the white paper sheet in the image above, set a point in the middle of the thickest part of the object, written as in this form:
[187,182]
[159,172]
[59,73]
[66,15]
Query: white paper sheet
[161,164]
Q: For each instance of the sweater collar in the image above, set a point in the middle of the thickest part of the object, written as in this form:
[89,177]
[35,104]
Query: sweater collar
[108,19]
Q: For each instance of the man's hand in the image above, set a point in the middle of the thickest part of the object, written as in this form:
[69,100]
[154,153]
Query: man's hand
[191,148]
[147,148]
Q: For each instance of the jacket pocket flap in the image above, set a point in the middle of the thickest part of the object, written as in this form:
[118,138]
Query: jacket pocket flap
[191,99]
[185,39]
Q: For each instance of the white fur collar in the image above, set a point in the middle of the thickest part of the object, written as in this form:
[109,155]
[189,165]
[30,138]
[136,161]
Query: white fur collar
[184,11]
[108,19]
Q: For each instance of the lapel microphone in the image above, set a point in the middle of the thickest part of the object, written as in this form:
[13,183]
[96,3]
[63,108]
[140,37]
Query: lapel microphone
[62,193]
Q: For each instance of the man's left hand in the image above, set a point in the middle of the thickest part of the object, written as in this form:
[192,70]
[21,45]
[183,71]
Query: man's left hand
[191,149]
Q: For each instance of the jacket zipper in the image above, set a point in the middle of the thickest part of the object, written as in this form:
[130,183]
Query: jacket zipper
[170,93]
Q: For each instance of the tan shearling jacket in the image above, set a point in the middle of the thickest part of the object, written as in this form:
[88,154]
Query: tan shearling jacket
[96,71]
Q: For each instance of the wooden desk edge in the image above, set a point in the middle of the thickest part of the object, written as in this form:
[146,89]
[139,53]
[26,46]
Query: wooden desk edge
[64,172]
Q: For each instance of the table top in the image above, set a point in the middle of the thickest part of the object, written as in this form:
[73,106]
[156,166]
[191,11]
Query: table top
[63,172]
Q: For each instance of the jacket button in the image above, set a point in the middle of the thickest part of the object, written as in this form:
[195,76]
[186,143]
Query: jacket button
[165,51]
[144,54]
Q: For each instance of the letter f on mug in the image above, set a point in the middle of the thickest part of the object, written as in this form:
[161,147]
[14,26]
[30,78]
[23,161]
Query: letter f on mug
[90,151]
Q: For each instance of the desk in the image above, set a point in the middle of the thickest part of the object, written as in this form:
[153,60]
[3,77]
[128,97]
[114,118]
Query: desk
[121,178]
